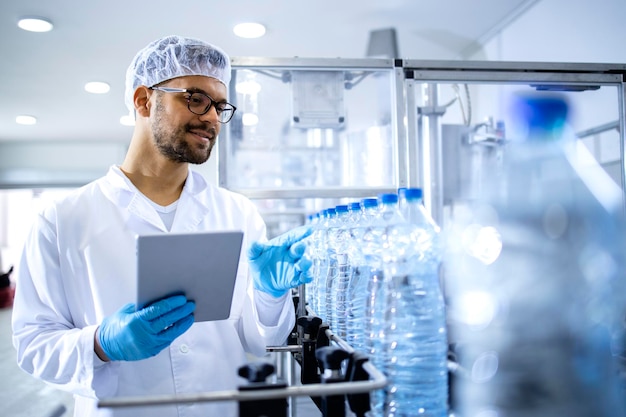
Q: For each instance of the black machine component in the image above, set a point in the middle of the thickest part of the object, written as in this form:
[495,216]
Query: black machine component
[330,359]
[310,327]
[256,374]
[359,403]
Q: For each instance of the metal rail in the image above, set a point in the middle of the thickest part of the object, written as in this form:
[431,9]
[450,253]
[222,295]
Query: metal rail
[377,380]
[598,129]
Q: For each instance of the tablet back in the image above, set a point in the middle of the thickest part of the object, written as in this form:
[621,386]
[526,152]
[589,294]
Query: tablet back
[202,265]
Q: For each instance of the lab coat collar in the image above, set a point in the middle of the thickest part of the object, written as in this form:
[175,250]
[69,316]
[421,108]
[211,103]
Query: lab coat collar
[190,211]
[191,208]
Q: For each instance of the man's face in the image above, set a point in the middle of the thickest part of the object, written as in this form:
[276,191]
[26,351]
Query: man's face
[179,134]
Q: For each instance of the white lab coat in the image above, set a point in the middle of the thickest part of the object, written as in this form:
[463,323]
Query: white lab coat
[78,267]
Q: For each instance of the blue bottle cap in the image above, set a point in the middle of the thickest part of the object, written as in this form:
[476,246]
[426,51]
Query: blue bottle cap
[355,206]
[342,208]
[388,198]
[369,202]
[543,117]
[413,194]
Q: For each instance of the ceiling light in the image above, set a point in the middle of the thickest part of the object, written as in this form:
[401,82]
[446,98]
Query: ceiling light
[26,120]
[97,87]
[35,24]
[249,30]
[127,120]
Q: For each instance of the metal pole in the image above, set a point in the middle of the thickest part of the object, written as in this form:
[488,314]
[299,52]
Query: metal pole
[600,129]
[376,380]
[431,157]
[415,178]
[400,128]
[314,390]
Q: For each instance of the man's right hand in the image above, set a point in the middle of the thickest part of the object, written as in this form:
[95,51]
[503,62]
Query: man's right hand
[130,335]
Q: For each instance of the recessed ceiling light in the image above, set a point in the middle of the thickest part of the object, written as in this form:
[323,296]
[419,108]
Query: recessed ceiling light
[127,120]
[249,30]
[35,24]
[26,120]
[97,87]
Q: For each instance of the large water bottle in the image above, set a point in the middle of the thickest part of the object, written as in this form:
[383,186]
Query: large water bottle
[415,321]
[535,277]
[339,238]
[376,249]
[361,273]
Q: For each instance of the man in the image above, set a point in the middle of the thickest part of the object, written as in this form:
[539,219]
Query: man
[73,325]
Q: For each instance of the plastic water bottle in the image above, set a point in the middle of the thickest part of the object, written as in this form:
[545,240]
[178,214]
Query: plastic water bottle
[321,264]
[331,272]
[376,249]
[339,238]
[313,252]
[353,251]
[357,287]
[535,277]
[355,212]
[415,321]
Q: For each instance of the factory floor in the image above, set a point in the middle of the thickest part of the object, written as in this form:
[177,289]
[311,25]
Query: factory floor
[21,395]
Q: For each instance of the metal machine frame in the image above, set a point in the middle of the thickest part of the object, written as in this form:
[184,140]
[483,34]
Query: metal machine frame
[410,146]
[314,64]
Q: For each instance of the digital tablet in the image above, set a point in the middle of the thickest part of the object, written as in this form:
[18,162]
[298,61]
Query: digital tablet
[203,266]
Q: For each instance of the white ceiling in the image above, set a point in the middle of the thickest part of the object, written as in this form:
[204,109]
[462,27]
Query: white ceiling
[43,74]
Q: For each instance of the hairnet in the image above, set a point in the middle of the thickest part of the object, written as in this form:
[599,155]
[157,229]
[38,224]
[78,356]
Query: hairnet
[172,57]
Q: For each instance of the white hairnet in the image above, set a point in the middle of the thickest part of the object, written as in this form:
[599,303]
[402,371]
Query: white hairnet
[172,57]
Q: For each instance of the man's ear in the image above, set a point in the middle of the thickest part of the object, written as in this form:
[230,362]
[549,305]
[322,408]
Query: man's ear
[141,100]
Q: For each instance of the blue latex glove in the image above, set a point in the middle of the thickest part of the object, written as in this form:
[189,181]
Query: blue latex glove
[130,335]
[279,264]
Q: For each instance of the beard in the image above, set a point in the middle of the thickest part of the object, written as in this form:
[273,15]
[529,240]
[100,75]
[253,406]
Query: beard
[172,143]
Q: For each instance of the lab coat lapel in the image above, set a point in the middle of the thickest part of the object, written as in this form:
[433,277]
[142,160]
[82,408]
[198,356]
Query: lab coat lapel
[125,196]
[191,211]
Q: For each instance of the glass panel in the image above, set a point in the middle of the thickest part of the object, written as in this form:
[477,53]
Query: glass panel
[474,126]
[309,128]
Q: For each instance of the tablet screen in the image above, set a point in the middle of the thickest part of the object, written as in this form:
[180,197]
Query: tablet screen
[202,266]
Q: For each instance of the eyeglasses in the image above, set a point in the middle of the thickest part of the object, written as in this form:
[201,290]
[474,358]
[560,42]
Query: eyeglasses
[200,103]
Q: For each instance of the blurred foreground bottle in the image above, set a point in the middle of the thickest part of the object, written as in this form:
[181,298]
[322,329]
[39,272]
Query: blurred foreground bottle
[535,274]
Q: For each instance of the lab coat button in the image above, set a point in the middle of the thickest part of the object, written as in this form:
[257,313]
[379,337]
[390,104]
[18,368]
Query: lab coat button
[184,348]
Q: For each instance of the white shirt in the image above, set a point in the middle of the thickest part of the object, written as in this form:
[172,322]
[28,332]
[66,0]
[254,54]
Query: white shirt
[78,267]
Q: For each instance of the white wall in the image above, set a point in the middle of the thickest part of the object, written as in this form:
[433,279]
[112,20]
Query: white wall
[563,31]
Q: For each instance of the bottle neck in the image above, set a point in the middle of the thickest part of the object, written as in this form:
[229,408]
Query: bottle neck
[413,210]
[390,212]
